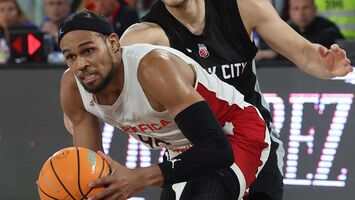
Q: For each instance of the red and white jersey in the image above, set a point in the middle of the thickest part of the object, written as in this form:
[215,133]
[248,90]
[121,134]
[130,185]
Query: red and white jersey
[133,114]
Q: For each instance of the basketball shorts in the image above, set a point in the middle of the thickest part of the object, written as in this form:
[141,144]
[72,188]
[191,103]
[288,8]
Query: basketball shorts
[250,141]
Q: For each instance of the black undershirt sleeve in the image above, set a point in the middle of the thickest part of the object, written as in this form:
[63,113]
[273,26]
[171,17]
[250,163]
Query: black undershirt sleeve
[211,149]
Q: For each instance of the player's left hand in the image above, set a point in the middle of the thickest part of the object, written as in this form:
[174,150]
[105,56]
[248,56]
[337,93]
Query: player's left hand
[121,184]
[334,61]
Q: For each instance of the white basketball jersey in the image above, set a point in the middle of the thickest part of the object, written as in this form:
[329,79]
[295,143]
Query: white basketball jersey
[133,114]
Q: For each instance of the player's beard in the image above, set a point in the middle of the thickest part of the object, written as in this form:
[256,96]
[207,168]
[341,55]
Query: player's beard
[104,82]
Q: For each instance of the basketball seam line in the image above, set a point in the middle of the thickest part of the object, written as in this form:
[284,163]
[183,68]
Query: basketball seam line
[102,169]
[39,187]
[55,173]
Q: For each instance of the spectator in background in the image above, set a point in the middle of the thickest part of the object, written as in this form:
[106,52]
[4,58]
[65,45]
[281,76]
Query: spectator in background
[131,3]
[89,4]
[56,11]
[12,17]
[81,4]
[141,6]
[304,20]
[120,15]
[76,4]
[33,10]
[341,12]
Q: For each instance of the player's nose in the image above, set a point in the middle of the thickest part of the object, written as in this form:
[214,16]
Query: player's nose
[81,63]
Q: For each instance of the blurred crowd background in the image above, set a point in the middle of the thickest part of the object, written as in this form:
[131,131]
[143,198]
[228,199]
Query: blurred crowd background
[31,125]
[320,21]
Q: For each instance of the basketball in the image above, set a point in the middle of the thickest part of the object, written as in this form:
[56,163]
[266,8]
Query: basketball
[68,172]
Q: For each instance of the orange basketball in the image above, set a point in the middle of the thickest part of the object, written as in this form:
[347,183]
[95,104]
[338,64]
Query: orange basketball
[67,174]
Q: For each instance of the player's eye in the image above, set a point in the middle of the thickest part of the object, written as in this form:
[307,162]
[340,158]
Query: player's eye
[88,51]
[70,57]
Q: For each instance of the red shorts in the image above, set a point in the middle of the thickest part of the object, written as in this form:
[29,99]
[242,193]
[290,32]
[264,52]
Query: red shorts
[250,140]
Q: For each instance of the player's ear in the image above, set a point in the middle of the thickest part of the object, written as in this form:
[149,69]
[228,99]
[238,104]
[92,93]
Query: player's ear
[114,43]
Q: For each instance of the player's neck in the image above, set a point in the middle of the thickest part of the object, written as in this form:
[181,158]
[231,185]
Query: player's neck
[191,14]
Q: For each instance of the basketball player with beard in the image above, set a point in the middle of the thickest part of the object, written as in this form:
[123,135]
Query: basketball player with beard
[216,142]
[217,34]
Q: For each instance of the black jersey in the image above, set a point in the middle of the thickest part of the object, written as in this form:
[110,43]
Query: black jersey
[223,48]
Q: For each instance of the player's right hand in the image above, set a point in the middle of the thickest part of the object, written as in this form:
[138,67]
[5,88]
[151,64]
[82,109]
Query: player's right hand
[121,184]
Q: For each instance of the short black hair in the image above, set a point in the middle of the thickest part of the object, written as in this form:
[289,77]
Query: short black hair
[85,20]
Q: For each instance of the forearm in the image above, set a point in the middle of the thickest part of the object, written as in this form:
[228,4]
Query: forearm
[211,149]
[304,54]
[297,49]
[198,161]
[87,140]
[87,133]
[310,61]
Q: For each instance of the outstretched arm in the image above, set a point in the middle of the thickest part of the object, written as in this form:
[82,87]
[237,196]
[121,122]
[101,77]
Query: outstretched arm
[315,59]
[84,127]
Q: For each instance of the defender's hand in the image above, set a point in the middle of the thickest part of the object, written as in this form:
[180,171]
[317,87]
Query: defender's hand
[334,60]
